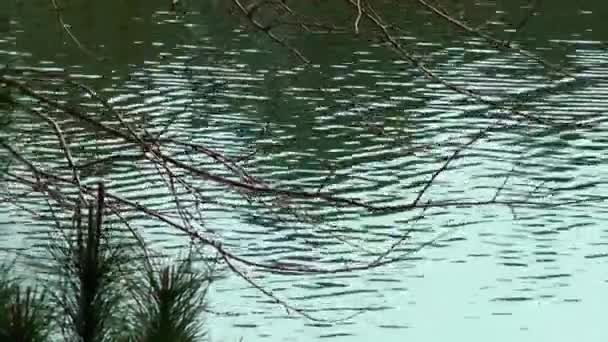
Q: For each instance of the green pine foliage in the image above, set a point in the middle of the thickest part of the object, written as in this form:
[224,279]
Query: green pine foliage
[101,289]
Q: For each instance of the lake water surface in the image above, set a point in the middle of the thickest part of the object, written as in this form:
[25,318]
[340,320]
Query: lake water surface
[532,274]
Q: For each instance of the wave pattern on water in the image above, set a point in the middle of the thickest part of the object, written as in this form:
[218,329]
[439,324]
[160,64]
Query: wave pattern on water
[384,131]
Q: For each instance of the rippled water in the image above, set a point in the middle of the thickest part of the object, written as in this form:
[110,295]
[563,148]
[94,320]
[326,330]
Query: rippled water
[497,274]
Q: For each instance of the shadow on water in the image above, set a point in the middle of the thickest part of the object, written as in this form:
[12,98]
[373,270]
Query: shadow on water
[107,37]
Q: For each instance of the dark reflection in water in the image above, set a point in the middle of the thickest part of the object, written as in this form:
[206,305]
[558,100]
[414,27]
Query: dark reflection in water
[499,274]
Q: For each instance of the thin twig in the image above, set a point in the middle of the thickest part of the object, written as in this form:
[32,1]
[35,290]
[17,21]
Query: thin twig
[72,36]
[358,19]
[249,13]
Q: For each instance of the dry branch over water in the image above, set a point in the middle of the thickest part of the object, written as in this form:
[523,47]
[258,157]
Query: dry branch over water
[176,162]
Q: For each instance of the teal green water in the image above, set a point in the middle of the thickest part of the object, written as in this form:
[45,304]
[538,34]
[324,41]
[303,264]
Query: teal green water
[539,274]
